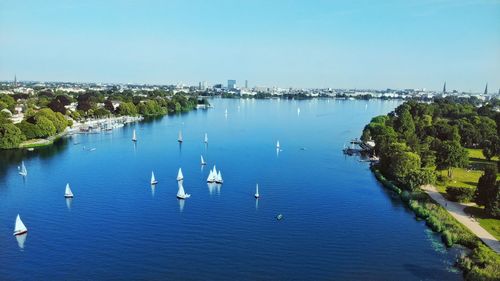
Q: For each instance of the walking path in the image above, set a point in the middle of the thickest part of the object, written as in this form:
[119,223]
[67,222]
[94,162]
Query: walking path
[457,211]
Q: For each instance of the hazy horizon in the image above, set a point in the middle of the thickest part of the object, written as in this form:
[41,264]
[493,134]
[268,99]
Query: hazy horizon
[319,44]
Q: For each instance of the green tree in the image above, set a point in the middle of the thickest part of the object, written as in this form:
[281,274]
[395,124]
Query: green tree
[10,136]
[127,108]
[487,190]
[451,154]
[45,126]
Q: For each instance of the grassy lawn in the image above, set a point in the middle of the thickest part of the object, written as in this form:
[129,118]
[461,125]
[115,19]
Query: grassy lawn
[478,154]
[491,225]
[461,178]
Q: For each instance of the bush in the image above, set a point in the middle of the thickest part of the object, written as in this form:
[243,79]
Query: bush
[10,136]
[460,194]
[434,224]
[448,238]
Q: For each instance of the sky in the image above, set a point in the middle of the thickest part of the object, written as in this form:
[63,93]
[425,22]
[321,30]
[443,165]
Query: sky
[283,43]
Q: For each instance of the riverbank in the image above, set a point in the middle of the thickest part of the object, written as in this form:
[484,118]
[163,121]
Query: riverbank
[481,263]
[93,125]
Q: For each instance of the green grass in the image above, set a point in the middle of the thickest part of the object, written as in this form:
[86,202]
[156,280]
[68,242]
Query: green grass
[35,143]
[476,153]
[490,224]
[461,178]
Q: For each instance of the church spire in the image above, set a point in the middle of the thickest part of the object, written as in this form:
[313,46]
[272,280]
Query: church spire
[444,88]
[486,89]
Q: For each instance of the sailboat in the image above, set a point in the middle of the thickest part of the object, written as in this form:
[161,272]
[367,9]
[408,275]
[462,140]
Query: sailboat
[153,180]
[68,193]
[206,138]
[257,195]
[218,178]
[181,194]
[19,228]
[225,113]
[22,171]
[278,144]
[180,176]
[212,176]
[298,111]
[179,139]
[203,163]
[134,137]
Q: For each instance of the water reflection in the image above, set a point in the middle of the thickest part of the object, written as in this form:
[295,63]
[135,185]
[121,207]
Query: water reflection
[211,188]
[256,203]
[21,239]
[13,157]
[277,152]
[181,204]
[153,188]
[69,202]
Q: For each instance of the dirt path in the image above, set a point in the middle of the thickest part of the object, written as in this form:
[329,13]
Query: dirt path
[457,211]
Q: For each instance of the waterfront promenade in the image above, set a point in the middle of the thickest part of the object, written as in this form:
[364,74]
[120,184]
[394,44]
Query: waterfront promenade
[457,211]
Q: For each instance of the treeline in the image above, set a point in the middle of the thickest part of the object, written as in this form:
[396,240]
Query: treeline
[417,138]
[46,113]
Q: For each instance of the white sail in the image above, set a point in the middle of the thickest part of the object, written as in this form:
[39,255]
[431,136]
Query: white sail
[257,191]
[180,176]
[219,178]
[19,228]
[181,194]
[278,144]
[203,160]
[23,171]
[67,192]
[179,139]
[153,179]
[134,137]
[206,138]
[298,111]
[210,177]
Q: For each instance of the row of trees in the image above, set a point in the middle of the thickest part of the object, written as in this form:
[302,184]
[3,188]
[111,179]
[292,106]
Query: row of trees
[46,113]
[417,138]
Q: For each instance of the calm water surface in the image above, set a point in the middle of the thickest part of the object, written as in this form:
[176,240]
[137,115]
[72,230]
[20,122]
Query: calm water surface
[340,224]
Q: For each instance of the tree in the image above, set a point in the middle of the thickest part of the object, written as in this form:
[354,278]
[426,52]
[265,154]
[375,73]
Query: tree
[7,101]
[487,193]
[10,136]
[108,104]
[57,106]
[45,126]
[127,108]
[451,154]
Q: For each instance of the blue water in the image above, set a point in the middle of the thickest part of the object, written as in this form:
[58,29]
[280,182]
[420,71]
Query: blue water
[339,223]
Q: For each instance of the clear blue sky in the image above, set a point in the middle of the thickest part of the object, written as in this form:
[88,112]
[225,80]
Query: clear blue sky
[340,44]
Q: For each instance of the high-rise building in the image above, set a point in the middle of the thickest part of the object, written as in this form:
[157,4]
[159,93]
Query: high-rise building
[246,84]
[15,81]
[231,84]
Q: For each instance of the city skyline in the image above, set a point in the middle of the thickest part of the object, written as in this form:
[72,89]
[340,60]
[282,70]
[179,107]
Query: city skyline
[283,44]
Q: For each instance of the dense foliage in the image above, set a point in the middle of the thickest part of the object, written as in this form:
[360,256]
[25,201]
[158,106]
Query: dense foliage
[48,112]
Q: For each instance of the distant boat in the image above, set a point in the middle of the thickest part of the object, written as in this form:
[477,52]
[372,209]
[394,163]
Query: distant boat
[68,193]
[203,163]
[19,228]
[278,144]
[279,217]
[180,176]
[206,138]
[225,112]
[153,180]
[22,170]
[134,137]
[179,139]
[218,178]
[212,176]
[257,195]
[298,111]
[181,194]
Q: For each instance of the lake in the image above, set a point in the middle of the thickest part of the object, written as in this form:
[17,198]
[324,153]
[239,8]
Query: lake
[339,222]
